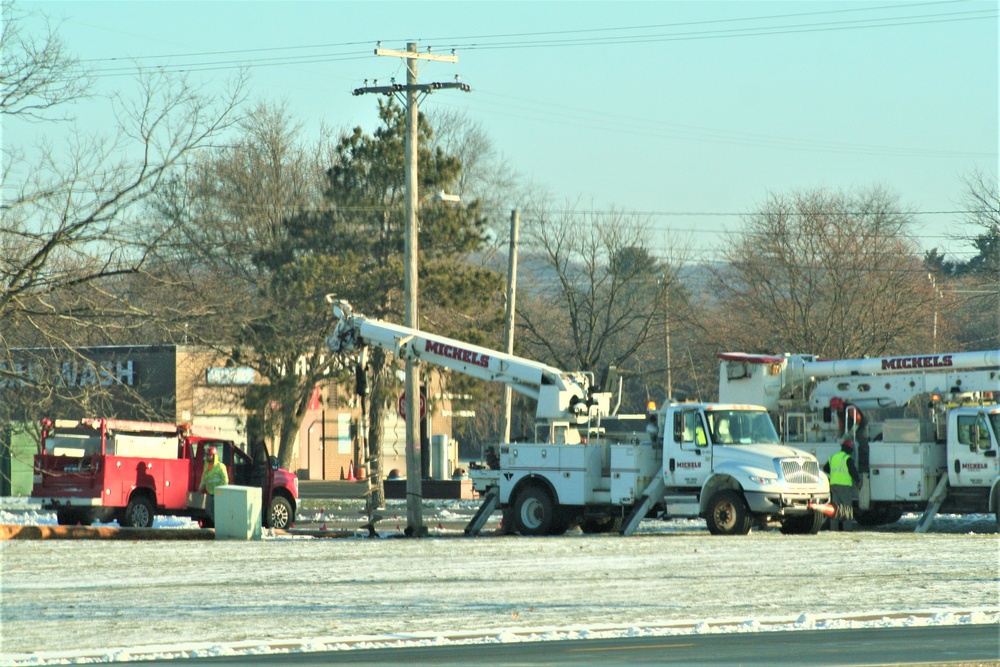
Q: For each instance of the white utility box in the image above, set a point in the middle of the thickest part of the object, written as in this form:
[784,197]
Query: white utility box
[238,513]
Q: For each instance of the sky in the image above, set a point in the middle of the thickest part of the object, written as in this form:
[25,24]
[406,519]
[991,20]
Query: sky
[688,112]
[358,593]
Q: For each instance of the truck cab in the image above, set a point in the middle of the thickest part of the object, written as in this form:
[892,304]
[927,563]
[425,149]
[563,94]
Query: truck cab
[729,459]
[971,454]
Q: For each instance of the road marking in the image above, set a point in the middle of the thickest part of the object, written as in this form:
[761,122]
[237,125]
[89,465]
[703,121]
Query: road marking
[628,648]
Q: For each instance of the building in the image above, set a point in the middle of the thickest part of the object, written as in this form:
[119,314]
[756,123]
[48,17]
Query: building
[191,384]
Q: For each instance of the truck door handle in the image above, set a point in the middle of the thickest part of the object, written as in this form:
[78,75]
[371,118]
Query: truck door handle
[958,467]
[671,465]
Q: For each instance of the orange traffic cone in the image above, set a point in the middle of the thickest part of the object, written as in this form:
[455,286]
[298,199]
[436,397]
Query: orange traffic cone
[323,527]
[827,509]
[350,473]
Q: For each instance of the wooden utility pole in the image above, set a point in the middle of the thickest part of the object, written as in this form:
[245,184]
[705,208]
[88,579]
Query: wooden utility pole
[414,486]
[515,220]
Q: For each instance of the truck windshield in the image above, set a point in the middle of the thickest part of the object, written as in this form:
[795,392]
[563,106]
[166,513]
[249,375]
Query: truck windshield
[741,427]
[67,443]
[995,421]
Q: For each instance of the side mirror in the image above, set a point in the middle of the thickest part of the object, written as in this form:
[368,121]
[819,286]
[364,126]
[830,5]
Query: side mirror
[975,437]
[273,460]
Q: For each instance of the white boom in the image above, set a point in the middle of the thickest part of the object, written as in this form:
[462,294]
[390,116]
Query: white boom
[783,380]
[560,395]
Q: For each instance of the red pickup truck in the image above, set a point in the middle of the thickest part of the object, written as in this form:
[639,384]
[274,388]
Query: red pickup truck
[130,471]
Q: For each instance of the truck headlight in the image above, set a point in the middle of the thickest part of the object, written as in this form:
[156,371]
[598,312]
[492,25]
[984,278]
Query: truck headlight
[763,479]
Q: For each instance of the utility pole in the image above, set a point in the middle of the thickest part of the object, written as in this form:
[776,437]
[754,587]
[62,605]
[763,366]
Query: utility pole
[414,486]
[515,220]
[670,378]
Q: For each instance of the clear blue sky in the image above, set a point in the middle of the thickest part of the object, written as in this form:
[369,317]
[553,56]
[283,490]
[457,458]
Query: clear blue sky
[660,107]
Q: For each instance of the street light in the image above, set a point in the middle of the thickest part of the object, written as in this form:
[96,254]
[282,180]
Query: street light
[440,195]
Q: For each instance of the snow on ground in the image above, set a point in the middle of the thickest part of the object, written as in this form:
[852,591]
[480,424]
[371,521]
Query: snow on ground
[61,599]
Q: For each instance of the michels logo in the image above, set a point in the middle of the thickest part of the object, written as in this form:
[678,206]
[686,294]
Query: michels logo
[913,363]
[457,353]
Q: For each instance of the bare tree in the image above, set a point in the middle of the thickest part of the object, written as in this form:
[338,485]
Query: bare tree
[595,294]
[976,286]
[38,77]
[247,295]
[71,221]
[825,273]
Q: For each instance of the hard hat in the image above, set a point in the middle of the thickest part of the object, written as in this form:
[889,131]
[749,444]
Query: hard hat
[836,402]
[211,452]
[848,443]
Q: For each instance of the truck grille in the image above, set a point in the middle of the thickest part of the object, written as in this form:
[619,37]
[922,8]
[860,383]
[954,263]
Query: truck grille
[800,471]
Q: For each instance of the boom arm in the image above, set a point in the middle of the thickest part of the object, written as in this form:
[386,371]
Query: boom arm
[560,395]
[784,380]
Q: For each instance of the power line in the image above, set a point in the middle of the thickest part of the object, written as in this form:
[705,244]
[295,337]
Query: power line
[520,39]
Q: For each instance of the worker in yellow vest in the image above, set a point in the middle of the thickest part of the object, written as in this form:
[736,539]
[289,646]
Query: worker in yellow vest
[214,476]
[844,481]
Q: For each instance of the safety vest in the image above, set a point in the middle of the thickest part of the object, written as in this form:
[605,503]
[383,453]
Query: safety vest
[215,475]
[839,474]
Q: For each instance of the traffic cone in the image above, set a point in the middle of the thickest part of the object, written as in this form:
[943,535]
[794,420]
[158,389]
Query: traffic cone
[827,509]
[342,473]
[323,527]
[350,473]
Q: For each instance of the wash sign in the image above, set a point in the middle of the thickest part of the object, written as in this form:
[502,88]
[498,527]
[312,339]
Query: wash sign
[229,375]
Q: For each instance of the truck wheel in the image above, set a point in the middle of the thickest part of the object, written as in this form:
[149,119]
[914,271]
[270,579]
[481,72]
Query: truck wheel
[138,513]
[280,514]
[534,513]
[728,514]
[806,524]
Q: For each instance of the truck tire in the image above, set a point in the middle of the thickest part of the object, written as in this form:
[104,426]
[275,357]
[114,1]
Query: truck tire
[280,514]
[728,514]
[534,512]
[805,524]
[138,513]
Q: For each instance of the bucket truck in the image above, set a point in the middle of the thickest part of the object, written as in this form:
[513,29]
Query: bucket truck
[587,467]
[945,460]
